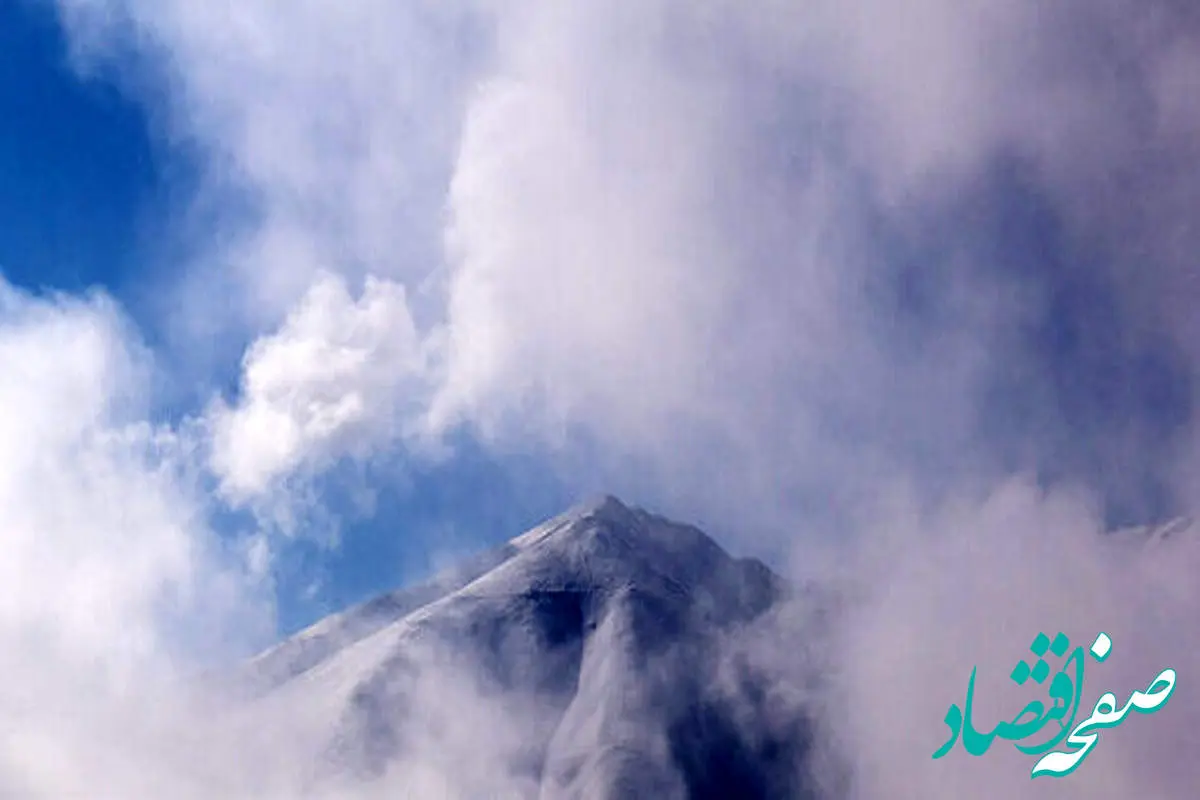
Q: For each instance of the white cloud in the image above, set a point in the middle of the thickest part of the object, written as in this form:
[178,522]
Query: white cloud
[689,229]
[113,581]
[99,527]
[333,380]
[970,587]
[338,120]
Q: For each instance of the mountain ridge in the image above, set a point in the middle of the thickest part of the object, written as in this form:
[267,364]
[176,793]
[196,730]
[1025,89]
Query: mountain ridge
[608,620]
[310,645]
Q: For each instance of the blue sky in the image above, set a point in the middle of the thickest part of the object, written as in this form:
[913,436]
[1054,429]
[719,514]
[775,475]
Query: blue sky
[83,187]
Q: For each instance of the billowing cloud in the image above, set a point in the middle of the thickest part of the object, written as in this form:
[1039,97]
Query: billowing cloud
[104,522]
[728,234]
[332,380]
[115,585]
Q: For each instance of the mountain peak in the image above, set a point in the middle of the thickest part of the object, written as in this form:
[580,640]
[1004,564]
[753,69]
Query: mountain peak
[601,512]
[604,545]
[598,503]
[599,545]
[599,605]
[601,507]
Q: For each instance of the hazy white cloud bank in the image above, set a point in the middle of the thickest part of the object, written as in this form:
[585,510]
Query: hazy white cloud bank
[935,240]
[774,264]
[970,587]
[113,581]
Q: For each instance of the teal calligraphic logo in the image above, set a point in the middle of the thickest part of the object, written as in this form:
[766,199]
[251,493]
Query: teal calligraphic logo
[1065,688]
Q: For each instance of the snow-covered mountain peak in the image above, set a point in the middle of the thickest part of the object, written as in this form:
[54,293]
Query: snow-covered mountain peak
[599,545]
[606,618]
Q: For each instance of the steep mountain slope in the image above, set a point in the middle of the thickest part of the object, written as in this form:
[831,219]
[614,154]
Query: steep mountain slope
[587,658]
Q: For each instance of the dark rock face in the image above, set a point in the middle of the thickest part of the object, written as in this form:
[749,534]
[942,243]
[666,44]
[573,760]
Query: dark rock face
[615,623]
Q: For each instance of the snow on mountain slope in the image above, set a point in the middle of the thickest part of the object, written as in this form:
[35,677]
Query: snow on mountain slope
[580,660]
